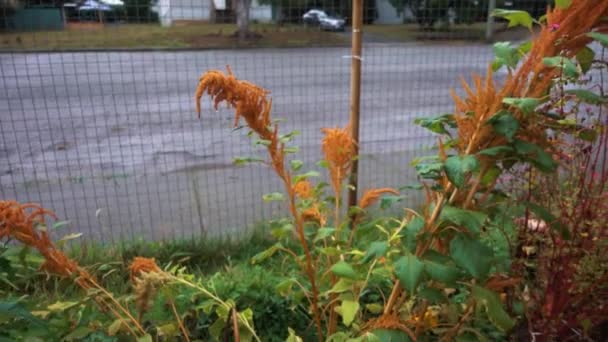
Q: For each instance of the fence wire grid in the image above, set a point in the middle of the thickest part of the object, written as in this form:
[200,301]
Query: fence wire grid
[97,114]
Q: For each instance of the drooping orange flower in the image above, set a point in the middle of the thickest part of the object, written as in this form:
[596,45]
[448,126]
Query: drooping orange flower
[372,195]
[19,221]
[313,214]
[303,189]
[142,265]
[339,149]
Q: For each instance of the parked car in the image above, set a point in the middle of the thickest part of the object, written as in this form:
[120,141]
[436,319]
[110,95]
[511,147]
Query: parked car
[324,20]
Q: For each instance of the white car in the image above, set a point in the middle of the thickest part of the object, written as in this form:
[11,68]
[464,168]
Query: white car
[324,20]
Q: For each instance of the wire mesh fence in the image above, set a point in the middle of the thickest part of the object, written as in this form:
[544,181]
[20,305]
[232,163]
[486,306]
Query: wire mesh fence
[97,113]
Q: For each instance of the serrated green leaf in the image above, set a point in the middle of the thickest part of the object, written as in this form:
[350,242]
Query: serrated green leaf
[306,175]
[433,295]
[429,170]
[515,17]
[457,167]
[349,309]
[496,313]
[585,58]
[469,219]
[273,196]
[602,38]
[375,250]
[344,270]
[437,124]
[472,255]
[505,124]
[387,201]
[409,270]
[388,335]
[526,104]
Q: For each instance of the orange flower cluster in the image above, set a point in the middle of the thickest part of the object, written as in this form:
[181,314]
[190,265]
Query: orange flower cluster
[19,221]
[371,196]
[339,149]
[564,33]
[303,189]
[142,265]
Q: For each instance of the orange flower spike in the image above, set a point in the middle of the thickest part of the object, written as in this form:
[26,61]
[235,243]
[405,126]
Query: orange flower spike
[339,149]
[371,196]
[303,189]
[314,215]
[142,265]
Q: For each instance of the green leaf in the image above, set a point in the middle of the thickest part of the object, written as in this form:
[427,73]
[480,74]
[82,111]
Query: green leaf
[389,335]
[284,287]
[256,259]
[388,201]
[344,270]
[296,164]
[429,170]
[61,306]
[273,196]
[285,138]
[374,308]
[587,96]
[438,267]
[456,168]
[602,38]
[246,160]
[585,58]
[324,232]
[115,327]
[375,250]
[433,295]
[569,68]
[342,285]
[496,313]
[563,4]
[496,150]
[14,309]
[263,142]
[506,54]
[505,124]
[145,338]
[305,176]
[471,220]
[526,104]
[411,230]
[472,255]
[535,155]
[437,124]
[515,17]
[588,134]
[291,150]
[349,309]
[409,270]
[293,337]
[60,224]
[524,48]
[67,238]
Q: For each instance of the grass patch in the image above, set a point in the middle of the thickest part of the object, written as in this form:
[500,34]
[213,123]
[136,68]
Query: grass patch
[180,35]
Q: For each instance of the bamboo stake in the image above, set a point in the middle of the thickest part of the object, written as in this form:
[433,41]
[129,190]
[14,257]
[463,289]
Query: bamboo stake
[355,95]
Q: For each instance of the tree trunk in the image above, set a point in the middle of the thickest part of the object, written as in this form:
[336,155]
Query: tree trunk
[242,18]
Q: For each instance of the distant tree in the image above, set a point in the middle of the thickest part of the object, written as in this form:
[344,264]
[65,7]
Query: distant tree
[242,7]
[140,11]
[427,12]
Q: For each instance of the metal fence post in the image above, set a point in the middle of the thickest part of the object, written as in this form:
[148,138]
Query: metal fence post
[490,20]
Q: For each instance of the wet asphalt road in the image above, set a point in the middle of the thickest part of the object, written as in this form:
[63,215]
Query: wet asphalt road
[112,143]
